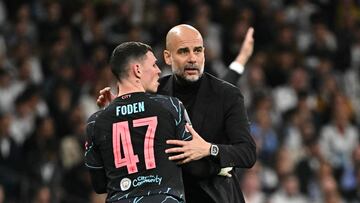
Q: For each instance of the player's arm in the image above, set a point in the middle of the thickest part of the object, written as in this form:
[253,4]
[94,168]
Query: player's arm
[98,180]
[93,160]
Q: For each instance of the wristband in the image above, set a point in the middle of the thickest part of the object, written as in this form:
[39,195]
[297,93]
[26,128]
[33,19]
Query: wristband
[237,67]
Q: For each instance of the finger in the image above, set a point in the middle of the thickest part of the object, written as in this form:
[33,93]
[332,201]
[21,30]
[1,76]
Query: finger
[100,101]
[191,130]
[183,161]
[177,157]
[108,96]
[105,90]
[176,142]
[101,98]
[249,33]
[174,150]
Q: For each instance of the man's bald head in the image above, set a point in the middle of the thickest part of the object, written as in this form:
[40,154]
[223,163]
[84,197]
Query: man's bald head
[180,33]
[185,52]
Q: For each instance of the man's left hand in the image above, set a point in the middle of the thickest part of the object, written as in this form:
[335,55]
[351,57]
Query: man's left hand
[187,151]
[246,48]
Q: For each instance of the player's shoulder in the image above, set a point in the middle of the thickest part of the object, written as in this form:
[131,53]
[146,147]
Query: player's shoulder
[163,98]
[170,103]
[91,123]
[95,116]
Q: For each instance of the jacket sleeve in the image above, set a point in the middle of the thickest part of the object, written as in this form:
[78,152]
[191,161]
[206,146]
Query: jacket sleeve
[231,76]
[240,151]
[202,168]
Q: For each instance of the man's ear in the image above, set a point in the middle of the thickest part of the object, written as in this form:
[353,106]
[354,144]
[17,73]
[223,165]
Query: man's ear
[167,57]
[136,69]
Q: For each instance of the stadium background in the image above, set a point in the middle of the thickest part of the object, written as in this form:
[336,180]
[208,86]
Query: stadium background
[301,87]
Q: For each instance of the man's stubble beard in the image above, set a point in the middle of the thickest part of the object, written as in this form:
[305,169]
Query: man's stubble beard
[180,73]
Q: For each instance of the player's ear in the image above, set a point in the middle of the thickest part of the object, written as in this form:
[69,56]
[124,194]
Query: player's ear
[136,69]
[167,57]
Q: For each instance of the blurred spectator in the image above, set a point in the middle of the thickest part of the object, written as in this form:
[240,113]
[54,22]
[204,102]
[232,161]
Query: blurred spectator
[10,166]
[233,40]
[50,23]
[118,24]
[280,67]
[299,13]
[307,169]
[349,180]
[42,195]
[87,28]
[288,191]
[88,100]
[284,164]
[168,16]
[340,137]
[9,90]
[24,28]
[42,156]
[286,39]
[264,135]
[225,13]
[211,33]
[252,188]
[330,190]
[286,96]
[23,52]
[323,43]
[300,123]
[60,104]
[23,123]
[327,91]
[253,83]
[76,181]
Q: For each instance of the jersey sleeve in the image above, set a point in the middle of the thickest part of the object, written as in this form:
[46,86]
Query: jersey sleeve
[181,119]
[93,158]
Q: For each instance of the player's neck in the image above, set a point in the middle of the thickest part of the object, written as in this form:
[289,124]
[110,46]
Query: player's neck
[128,86]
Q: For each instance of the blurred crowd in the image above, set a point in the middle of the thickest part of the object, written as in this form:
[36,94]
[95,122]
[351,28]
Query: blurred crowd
[301,87]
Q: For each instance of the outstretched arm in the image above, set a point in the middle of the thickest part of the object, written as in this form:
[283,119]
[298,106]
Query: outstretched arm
[236,68]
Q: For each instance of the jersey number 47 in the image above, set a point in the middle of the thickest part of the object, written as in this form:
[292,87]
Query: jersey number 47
[121,138]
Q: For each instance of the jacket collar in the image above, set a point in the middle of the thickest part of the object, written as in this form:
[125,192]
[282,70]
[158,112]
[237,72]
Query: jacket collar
[203,98]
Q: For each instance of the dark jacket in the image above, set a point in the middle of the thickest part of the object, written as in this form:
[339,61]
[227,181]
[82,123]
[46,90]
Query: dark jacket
[219,116]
